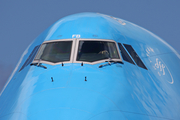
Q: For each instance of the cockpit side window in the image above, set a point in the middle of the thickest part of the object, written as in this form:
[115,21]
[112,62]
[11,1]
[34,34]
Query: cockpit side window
[125,55]
[90,51]
[31,57]
[135,56]
[59,51]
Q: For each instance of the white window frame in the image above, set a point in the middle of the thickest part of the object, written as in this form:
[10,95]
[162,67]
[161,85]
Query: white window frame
[74,52]
[51,63]
[95,62]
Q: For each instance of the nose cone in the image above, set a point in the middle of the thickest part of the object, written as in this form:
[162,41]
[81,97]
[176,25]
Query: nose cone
[67,104]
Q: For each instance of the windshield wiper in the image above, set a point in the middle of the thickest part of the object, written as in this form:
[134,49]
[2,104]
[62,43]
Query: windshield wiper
[110,61]
[38,64]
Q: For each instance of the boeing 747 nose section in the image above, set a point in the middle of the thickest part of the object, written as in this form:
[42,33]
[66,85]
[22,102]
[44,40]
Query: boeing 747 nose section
[91,66]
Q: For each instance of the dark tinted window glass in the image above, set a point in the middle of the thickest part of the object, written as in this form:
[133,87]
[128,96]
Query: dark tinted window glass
[135,56]
[96,50]
[55,51]
[31,57]
[124,54]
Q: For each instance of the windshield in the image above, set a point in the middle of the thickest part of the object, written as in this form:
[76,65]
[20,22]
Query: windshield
[91,51]
[55,51]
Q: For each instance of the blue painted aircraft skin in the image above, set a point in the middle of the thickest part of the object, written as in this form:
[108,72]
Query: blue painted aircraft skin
[116,91]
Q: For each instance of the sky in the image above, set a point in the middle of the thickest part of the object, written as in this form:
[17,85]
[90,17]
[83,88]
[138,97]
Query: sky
[21,21]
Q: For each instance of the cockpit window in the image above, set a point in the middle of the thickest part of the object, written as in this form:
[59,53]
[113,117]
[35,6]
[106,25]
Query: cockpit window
[135,56]
[90,51]
[125,55]
[31,57]
[55,51]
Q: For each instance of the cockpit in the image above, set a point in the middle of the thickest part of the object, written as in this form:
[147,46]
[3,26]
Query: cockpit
[84,51]
[77,51]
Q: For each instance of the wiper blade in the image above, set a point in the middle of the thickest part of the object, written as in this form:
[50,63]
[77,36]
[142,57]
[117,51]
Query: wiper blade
[38,64]
[35,64]
[112,61]
[104,65]
[109,62]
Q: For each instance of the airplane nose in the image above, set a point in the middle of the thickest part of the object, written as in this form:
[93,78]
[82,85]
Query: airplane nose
[69,104]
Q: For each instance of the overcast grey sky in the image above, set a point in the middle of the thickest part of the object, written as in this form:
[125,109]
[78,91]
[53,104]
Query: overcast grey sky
[21,21]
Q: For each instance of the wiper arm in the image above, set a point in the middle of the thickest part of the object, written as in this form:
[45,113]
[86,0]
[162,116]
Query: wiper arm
[38,64]
[109,62]
[112,61]
[35,64]
[104,64]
